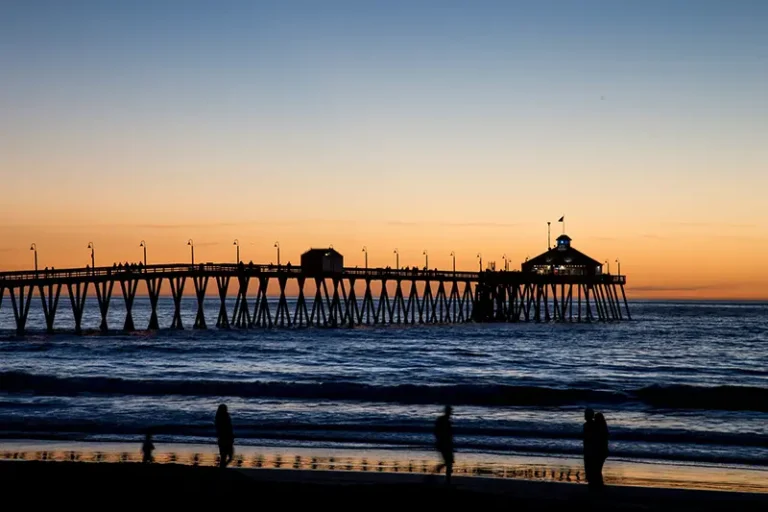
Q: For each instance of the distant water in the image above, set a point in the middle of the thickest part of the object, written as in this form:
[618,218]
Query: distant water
[683,382]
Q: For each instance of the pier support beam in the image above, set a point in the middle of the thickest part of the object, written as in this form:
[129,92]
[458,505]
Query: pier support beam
[283,315]
[50,304]
[177,290]
[222,284]
[77,294]
[626,304]
[21,309]
[201,285]
[262,316]
[153,289]
[128,286]
[353,312]
[301,315]
[383,310]
[368,308]
[241,316]
[104,295]
[318,308]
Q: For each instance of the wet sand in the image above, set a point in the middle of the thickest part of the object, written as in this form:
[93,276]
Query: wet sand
[363,461]
[101,485]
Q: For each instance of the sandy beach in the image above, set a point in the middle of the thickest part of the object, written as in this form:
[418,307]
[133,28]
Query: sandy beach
[184,473]
[617,472]
[99,485]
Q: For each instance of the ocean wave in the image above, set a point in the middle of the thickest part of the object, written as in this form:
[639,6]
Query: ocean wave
[734,398]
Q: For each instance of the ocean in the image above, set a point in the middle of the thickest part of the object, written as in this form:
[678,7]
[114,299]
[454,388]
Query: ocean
[683,382]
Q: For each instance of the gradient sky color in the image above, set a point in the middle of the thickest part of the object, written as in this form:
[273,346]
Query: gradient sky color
[438,125]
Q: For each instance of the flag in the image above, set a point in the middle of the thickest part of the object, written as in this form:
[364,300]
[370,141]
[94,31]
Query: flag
[562,219]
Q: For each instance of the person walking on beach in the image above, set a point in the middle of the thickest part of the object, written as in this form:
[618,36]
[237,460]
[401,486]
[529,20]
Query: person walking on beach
[146,449]
[589,439]
[600,448]
[225,435]
[444,442]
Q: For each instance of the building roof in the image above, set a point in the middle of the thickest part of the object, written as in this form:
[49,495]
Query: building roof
[561,256]
[321,252]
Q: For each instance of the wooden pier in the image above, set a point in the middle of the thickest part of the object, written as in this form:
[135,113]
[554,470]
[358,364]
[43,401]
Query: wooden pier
[343,297]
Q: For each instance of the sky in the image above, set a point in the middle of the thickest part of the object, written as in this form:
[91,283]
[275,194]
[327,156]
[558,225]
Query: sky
[419,125]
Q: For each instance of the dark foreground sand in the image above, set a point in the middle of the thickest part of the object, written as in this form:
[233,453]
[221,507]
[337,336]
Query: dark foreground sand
[103,486]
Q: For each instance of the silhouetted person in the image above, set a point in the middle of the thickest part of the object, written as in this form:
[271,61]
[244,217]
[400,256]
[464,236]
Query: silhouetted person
[225,435]
[146,449]
[589,438]
[444,442]
[600,447]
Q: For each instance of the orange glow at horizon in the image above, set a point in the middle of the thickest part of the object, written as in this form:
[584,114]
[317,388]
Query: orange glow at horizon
[673,262]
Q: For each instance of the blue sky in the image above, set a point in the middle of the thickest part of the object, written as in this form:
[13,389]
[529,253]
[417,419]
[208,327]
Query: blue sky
[629,115]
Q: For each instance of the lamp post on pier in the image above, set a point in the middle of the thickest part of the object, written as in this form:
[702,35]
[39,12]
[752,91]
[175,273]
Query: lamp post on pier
[34,248]
[277,246]
[608,266]
[397,259]
[480,257]
[453,255]
[365,250]
[619,264]
[426,259]
[236,243]
[144,245]
[506,262]
[93,257]
[191,245]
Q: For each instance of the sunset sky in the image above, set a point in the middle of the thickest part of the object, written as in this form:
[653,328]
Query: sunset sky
[437,125]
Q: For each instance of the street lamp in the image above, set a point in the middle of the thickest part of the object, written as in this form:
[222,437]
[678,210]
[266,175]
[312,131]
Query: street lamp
[191,245]
[236,243]
[608,266]
[144,245]
[426,260]
[365,250]
[34,248]
[397,259]
[453,255]
[93,256]
[480,257]
[277,246]
[506,262]
[619,264]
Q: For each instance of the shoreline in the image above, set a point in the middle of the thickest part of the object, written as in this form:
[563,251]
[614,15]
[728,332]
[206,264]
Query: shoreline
[635,474]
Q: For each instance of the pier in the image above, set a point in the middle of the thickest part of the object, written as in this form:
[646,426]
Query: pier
[558,286]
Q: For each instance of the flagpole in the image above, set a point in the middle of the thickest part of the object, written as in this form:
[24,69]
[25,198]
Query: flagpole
[549,238]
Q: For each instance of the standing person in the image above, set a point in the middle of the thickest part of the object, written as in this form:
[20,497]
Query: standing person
[225,435]
[601,447]
[146,449]
[589,445]
[444,442]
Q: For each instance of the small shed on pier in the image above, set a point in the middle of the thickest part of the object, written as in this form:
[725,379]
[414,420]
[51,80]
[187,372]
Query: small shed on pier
[563,259]
[316,261]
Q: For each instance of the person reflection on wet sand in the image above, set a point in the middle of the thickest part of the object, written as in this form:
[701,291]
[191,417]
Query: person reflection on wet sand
[444,443]
[146,449]
[225,435]
[589,445]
